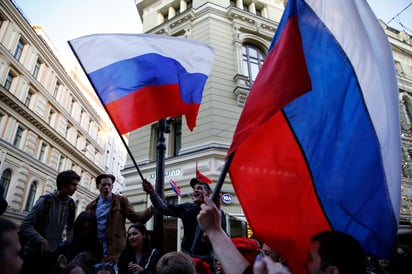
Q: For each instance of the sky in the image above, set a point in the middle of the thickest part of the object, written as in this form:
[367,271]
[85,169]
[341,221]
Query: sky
[64,20]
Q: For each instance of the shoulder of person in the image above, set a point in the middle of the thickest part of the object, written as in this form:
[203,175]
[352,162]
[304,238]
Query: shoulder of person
[123,199]
[72,203]
[46,199]
[92,203]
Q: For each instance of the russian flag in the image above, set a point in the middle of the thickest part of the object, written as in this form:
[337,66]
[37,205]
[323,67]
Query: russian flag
[317,146]
[175,188]
[142,78]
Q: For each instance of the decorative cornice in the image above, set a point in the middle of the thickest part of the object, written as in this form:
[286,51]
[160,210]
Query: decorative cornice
[15,104]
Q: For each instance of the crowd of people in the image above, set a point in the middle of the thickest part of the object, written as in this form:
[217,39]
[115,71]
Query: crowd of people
[96,241]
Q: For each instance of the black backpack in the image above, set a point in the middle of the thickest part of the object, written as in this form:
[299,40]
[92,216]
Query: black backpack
[47,197]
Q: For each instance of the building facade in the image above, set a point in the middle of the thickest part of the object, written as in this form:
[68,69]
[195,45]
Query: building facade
[240,32]
[48,120]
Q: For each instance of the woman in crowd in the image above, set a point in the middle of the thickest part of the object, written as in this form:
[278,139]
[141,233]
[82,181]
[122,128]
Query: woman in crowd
[84,239]
[138,257]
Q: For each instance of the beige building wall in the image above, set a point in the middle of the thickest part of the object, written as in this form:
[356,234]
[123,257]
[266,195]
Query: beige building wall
[48,123]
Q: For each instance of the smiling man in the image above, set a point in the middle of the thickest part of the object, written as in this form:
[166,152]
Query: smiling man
[111,211]
[188,213]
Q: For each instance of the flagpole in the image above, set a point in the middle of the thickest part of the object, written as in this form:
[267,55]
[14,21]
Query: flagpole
[157,239]
[214,197]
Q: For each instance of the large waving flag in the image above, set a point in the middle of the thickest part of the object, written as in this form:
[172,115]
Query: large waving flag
[142,78]
[317,146]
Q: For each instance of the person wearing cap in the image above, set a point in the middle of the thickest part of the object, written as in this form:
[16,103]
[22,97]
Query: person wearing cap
[188,213]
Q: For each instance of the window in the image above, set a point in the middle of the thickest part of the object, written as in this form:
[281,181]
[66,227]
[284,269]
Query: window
[78,140]
[71,107]
[18,136]
[42,151]
[175,143]
[28,97]
[60,164]
[173,138]
[5,180]
[30,197]
[36,68]
[56,89]
[252,59]
[9,80]
[51,116]
[19,49]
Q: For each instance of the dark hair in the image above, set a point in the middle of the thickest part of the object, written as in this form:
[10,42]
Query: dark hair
[175,263]
[70,266]
[65,177]
[5,226]
[341,250]
[146,242]
[129,252]
[85,241]
[86,261]
[102,176]
[78,226]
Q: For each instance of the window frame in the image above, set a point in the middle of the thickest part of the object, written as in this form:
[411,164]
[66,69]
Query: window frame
[18,51]
[248,60]
[6,181]
[18,136]
[31,196]
[8,82]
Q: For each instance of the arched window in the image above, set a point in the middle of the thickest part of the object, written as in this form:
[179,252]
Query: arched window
[30,197]
[5,180]
[252,59]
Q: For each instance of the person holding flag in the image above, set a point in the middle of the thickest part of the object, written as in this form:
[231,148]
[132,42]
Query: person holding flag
[188,213]
[329,251]
[317,146]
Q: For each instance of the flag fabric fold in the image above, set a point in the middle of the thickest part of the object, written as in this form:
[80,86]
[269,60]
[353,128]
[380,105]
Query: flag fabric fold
[200,176]
[175,188]
[317,146]
[142,78]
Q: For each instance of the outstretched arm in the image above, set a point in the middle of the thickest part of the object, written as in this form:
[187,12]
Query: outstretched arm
[159,204]
[209,221]
[132,215]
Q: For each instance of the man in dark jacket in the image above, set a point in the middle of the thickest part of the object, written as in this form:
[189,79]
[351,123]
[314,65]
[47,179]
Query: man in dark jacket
[188,213]
[44,225]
